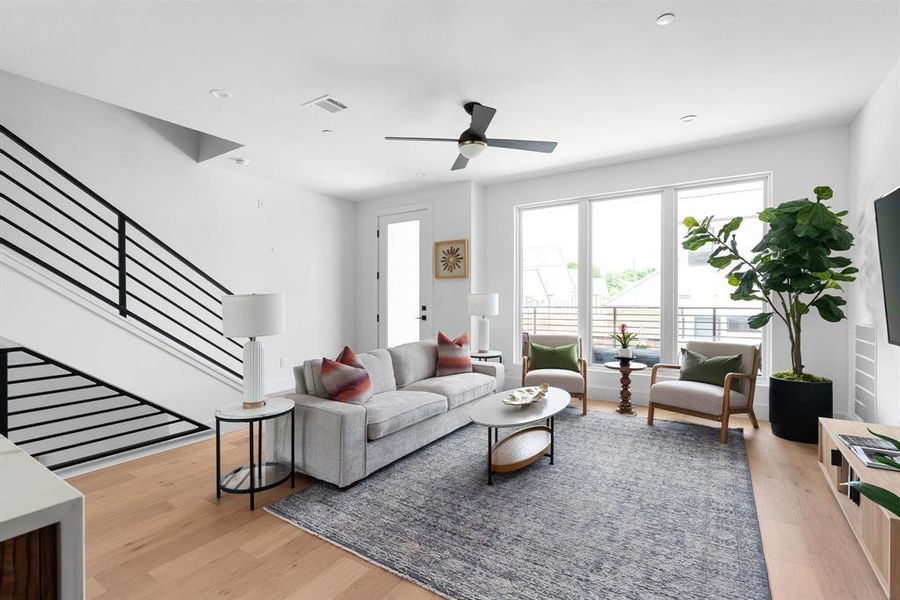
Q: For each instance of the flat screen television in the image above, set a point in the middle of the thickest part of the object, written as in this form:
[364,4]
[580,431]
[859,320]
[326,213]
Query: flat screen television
[887,221]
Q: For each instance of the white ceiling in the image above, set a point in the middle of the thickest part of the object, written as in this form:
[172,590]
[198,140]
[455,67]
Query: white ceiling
[600,78]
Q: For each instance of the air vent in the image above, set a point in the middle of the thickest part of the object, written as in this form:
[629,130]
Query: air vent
[327,103]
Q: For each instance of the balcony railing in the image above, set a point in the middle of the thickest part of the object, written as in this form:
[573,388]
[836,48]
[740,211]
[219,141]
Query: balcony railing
[714,323]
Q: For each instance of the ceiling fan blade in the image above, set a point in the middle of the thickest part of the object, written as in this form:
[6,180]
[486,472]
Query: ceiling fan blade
[418,139]
[461,162]
[481,118]
[530,145]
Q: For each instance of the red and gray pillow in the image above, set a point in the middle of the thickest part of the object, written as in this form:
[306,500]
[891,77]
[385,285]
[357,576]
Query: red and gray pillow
[345,378]
[453,355]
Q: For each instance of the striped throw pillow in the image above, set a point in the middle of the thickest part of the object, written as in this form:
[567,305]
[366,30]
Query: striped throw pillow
[345,379]
[453,355]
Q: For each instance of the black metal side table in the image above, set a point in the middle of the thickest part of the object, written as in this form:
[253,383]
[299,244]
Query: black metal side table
[487,355]
[260,474]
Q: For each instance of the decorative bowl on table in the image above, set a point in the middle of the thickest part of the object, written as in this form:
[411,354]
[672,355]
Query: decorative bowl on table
[526,396]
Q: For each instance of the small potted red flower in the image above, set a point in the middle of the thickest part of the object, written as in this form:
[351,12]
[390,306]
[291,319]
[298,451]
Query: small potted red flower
[623,339]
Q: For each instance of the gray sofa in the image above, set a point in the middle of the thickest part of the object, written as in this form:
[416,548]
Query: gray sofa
[343,442]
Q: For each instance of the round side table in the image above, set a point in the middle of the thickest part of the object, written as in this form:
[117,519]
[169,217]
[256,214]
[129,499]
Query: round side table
[625,393]
[487,355]
[259,474]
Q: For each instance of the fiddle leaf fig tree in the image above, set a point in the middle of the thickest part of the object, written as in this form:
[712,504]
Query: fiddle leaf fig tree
[791,269]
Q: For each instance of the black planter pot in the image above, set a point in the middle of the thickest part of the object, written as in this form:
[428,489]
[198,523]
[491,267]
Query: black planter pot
[795,408]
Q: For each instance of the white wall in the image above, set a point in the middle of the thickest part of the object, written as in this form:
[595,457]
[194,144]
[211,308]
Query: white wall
[798,162]
[450,210]
[875,171]
[297,243]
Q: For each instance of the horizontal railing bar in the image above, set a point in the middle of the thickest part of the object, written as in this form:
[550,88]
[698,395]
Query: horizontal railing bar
[60,211]
[77,416]
[143,444]
[56,271]
[49,392]
[88,428]
[114,388]
[57,189]
[44,378]
[168,283]
[35,364]
[170,267]
[103,439]
[169,249]
[182,325]
[182,309]
[60,171]
[62,404]
[160,331]
[60,231]
[58,251]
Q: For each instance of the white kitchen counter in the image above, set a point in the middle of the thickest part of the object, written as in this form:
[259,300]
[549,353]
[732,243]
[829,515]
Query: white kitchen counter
[32,497]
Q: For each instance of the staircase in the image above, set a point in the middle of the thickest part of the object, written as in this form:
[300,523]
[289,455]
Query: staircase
[65,417]
[85,284]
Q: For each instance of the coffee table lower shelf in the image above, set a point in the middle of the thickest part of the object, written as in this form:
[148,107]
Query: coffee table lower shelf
[519,449]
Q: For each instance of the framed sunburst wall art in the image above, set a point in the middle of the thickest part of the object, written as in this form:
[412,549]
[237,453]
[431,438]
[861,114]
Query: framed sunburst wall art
[451,259]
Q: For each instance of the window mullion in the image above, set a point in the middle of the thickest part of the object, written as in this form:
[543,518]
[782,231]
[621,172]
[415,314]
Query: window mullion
[669,277]
[585,281]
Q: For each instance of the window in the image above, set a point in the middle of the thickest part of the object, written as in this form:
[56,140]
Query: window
[589,265]
[549,269]
[705,308]
[625,274]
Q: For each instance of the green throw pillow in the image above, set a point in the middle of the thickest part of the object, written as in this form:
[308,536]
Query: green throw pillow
[553,357]
[709,369]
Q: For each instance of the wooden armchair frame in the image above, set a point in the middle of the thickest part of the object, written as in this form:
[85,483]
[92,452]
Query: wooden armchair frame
[727,409]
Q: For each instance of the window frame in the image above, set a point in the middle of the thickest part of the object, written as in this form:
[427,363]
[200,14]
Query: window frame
[668,263]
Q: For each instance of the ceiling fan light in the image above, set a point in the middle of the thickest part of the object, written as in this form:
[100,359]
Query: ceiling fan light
[471,148]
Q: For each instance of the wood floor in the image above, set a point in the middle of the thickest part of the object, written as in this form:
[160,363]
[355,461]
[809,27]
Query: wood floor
[155,530]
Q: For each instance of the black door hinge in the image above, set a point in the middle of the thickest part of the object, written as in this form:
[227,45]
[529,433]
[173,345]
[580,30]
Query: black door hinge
[378,318]
[378,233]
[377,274]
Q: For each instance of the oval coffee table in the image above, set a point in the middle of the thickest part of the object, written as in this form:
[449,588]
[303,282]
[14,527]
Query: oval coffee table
[520,448]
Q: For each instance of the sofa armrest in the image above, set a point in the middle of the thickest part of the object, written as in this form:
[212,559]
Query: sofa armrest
[330,439]
[495,370]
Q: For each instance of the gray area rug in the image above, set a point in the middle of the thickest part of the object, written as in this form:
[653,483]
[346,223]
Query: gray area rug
[626,511]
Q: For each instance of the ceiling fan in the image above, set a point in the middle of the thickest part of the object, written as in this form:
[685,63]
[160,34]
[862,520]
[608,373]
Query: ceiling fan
[472,141]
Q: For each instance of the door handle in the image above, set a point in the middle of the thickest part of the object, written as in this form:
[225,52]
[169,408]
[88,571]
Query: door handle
[422,318]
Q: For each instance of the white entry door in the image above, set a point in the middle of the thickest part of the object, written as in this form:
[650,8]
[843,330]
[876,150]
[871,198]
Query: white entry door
[404,277]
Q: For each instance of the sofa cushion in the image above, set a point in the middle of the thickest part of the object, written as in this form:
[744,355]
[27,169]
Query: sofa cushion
[388,412]
[454,356]
[414,361]
[693,395]
[381,369]
[563,379]
[345,378]
[457,389]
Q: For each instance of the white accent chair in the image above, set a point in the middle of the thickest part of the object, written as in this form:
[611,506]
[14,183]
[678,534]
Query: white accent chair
[573,382]
[703,399]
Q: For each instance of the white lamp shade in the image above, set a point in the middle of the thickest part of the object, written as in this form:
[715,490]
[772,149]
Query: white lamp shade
[253,315]
[486,305]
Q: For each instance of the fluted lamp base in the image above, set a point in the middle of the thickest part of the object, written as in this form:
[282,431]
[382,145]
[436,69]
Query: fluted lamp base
[254,374]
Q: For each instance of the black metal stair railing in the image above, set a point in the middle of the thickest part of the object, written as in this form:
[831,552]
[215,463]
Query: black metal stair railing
[55,221]
[63,417]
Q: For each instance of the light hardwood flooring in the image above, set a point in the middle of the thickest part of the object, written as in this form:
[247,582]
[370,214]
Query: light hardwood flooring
[155,530]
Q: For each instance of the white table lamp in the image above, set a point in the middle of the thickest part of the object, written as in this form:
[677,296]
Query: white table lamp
[484,305]
[253,316]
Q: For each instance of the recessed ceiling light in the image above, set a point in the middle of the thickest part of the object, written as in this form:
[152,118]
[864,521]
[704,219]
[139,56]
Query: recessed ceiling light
[243,162]
[665,19]
[221,94]
[421,174]
[688,118]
